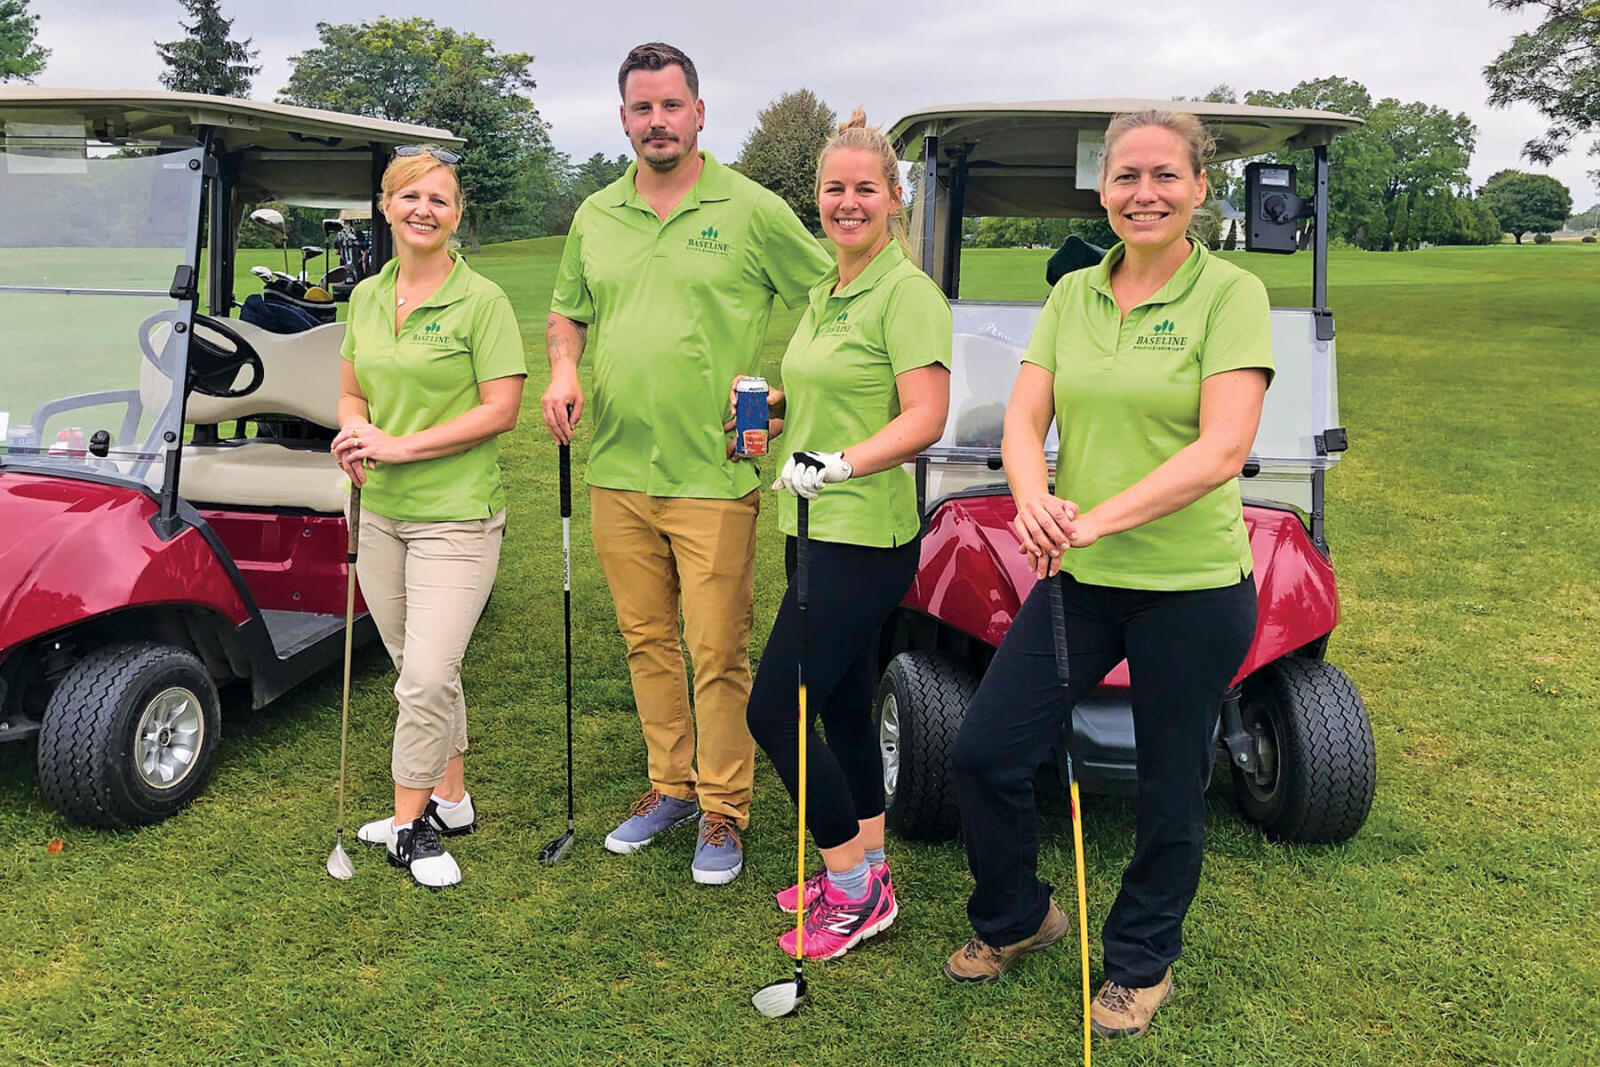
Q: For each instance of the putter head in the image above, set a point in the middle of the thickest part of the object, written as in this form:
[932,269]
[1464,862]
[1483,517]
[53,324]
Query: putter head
[780,998]
[552,853]
[339,864]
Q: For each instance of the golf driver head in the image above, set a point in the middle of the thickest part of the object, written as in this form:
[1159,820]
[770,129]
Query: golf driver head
[339,864]
[780,998]
[552,853]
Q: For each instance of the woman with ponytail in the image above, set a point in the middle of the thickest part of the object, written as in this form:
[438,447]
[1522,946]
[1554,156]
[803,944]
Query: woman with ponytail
[866,387]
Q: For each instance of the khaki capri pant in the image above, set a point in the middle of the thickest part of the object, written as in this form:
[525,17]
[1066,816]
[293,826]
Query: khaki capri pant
[425,584]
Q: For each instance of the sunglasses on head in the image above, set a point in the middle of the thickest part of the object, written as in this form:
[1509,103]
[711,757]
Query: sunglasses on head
[443,155]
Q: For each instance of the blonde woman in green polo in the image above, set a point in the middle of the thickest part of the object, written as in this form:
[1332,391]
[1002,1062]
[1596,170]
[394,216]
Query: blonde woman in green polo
[866,387]
[1153,365]
[432,376]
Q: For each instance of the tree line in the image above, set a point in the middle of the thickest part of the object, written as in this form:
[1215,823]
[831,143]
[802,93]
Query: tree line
[1398,182]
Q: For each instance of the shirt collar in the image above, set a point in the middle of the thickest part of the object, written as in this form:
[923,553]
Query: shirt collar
[714,183]
[889,257]
[1180,282]
[453,288]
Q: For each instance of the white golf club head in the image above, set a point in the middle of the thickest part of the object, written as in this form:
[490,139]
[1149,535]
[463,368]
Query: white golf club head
[339,864]
[264,273]
[780,998]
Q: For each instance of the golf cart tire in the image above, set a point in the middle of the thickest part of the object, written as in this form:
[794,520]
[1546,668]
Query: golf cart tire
[929,693]
[1326,765]
[89,734]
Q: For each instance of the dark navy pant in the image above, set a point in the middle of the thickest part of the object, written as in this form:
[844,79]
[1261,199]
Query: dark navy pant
[1183,649]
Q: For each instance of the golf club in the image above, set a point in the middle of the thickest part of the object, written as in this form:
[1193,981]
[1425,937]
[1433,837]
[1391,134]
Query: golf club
[551,854]
[1058,630]
[777,999]
[338,862]
[272,219]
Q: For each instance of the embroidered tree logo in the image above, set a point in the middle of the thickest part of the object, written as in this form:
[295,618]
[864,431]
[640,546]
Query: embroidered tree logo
[1165,326]
[709,233]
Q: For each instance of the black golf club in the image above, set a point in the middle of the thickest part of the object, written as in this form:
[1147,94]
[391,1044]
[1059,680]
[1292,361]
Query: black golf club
[1058,631]
[778,999]
[551,854]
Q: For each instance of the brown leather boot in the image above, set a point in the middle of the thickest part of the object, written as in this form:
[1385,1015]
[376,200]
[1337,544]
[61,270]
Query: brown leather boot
[981,962]
[1118,1011]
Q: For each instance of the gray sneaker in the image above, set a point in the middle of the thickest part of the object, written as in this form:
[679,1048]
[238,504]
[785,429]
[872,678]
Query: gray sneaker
[650,815]
[719,854]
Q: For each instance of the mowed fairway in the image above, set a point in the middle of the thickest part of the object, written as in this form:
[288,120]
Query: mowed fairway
[1459,927]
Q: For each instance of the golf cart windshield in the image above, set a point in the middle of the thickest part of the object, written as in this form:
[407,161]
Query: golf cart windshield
[91,242]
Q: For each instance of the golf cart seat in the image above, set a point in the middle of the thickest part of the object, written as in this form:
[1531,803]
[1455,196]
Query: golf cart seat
[300,380]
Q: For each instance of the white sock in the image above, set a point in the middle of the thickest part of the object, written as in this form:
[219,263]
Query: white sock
[447,804]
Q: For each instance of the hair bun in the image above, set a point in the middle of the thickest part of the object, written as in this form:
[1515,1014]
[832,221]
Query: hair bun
[856,121]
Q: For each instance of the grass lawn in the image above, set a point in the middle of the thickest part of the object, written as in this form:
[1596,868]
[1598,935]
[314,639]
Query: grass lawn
[1459,927]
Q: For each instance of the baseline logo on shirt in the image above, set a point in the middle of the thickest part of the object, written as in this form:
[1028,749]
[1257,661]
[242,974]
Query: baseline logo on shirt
[433,336]
[708,241]
[1161,336]
[838,327]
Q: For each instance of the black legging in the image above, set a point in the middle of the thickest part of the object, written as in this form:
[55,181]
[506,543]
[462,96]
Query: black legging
[1182,650]
[853,589]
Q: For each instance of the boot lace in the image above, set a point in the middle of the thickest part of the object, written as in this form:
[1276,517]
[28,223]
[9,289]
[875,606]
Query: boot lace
[1117,998]
[977,948]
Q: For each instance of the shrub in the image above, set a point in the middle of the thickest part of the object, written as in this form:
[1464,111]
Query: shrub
[1541,238]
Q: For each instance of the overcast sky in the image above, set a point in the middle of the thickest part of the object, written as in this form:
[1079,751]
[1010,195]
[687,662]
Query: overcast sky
[889,58]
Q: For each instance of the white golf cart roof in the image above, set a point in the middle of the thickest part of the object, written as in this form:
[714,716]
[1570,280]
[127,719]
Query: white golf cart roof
[1023,157]
[282,152]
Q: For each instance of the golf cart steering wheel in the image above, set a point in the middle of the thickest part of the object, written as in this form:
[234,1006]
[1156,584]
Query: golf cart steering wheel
[213,368]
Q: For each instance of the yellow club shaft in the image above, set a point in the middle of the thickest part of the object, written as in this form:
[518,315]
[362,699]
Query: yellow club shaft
[1083,913]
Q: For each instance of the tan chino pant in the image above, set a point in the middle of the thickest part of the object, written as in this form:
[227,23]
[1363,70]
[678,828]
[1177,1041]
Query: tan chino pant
[426,584]
[655,551]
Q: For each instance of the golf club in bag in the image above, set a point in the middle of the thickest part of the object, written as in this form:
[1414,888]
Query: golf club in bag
[338,861]
[551,854]
[778,999]
[1058,631]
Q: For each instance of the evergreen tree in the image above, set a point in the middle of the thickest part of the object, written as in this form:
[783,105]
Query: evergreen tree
[207,60]
[1400,227]
[781,152]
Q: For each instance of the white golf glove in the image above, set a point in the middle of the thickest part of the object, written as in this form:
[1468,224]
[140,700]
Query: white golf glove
[805,473]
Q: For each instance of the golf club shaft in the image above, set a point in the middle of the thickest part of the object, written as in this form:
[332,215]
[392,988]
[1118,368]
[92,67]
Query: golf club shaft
[1058,633]
[802,589]
[349,626]
[566,605]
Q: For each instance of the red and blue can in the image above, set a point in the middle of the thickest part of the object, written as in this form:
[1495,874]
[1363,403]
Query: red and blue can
[750,416]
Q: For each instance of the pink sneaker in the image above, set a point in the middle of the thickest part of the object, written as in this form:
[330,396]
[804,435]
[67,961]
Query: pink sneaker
[814,887]
[835,925]
[787,901]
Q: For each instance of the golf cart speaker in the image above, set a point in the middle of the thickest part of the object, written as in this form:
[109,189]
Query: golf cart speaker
[1272,209]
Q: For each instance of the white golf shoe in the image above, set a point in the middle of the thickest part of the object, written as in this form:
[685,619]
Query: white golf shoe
[417,849]
[459,818]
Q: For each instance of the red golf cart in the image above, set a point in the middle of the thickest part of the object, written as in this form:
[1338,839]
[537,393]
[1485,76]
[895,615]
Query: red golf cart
[1293,730]
[172,520]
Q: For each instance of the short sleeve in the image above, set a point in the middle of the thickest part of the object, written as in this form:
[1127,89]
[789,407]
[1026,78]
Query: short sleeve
[1239,329]
[916,325]
[496,341]
[791,259]
[1042,345]
[571,298]
[347,345]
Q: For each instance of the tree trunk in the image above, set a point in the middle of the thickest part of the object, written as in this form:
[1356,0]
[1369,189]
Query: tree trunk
[472,232]
[1518,237]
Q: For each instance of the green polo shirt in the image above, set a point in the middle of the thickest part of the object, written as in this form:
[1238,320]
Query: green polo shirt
[675,310]
[1127,395]
[427,374]
[839,387]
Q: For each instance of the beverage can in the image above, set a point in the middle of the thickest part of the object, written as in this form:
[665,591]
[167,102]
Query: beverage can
[750,416]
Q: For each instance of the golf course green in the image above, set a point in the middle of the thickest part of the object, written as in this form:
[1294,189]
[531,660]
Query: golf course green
[1458,927]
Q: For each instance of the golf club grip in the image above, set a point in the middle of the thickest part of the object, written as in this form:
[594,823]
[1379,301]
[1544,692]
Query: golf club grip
[566,481]
[354,523]
[1058,630]
[802,551]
